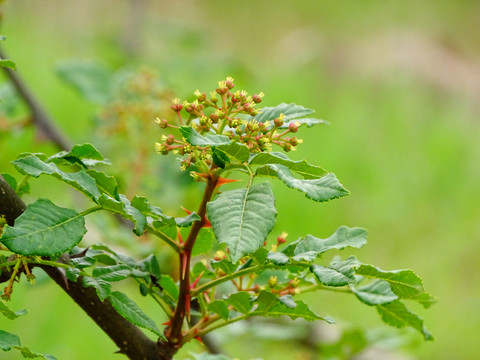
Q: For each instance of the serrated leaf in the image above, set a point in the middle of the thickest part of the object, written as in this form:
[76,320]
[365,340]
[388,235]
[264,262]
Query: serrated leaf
[150,265]
[396,314]
[338,273]
[44,229]
[300,310]
[278,258]
[126,210]
[342,238]
[8,64]
[302,168]
[425,299]
[27,353]
[112,273]
[321,189]
[106,184]
[130,311]
[227,266]
[90,79]
[292,112]
[241,301]
[8,340]
[220,308]
[243,218]
[195,139]
[187,220]
[32,165]
[9,314]
[375,293]
[102,287]
[236,151]
[219,158]
[405,283]
[84,155]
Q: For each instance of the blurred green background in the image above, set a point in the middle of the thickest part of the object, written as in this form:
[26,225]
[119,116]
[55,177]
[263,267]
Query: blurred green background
[398,81]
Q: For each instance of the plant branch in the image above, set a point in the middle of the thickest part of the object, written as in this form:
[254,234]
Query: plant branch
[129,338]
[174,332]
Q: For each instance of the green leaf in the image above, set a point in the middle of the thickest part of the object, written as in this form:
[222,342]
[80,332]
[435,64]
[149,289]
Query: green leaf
[236,151]
[425,299]
[84,155]
[10,180]
[342,238]
[187,220]
[150,265]
[9,314]
[91,79]
[278,258]
[292,112]
[243,218]
[195,139]
[404,283]
[219,307]
[338,273]
[130,311]
[27,353]
[106,184]
[126,210]
[323,189]
[8,340]
[44,229]
[32,165]
[227,266]
[8,64]
[302,168]
[102,287]
[241,301]
[293,309]
[375,293]
[112,273]
[396,314]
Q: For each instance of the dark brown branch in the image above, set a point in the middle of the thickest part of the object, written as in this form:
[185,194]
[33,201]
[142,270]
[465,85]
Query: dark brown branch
[39,115]
[128,337]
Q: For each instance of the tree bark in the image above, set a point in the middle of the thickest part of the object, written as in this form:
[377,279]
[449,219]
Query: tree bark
[129,338]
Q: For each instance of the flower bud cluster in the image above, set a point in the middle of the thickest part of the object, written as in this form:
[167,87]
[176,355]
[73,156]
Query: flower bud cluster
[225,112]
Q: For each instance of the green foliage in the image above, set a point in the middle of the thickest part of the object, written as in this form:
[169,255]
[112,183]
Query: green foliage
[222,135]
[9,341]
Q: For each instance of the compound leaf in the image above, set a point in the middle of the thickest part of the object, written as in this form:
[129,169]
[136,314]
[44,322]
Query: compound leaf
[130,311]
[302,168]
[195,139]
[376,293]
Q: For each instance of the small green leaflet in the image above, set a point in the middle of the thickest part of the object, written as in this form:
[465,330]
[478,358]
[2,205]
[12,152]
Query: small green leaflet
[130,311]
[84,155]
[44,229]
[405,283]
[112,273]
[32,165]
[195,139]
[375,293]
[321,189]
[236,151]
[342,238]
[242,218]
[102,287]
[302,168]
[124,208]
[278,258]
[338,273]
[241,302]
[293,113]
[9,341]
[9,314]
[396,314]
[220,308]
